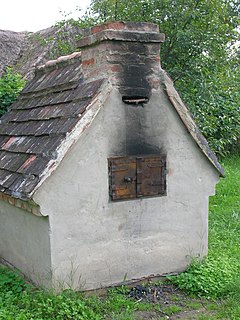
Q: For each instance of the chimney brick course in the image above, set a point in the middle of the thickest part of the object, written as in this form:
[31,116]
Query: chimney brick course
[126,53]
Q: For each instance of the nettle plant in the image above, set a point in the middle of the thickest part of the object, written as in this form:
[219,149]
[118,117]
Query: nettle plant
[11,84]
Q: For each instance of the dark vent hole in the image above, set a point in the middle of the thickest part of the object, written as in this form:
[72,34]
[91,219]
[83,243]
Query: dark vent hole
[135,99]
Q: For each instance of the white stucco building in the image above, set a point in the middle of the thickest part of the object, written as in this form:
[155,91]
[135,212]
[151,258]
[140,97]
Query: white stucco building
[104,175]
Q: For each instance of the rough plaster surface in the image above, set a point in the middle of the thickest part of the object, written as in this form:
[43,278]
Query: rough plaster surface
[96,242]
[24,242]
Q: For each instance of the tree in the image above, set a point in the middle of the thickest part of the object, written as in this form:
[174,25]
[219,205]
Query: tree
[198,54]
[11,84]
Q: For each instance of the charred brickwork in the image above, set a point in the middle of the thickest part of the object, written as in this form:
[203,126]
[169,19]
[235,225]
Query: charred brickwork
[128,53]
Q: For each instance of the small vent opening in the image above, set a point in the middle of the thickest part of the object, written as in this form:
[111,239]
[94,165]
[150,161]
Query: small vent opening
[135,100]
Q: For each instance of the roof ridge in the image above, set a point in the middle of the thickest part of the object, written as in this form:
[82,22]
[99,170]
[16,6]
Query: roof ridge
[56,63]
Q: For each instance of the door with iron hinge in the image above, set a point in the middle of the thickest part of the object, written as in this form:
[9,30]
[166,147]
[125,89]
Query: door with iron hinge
[135,177]
[122,175]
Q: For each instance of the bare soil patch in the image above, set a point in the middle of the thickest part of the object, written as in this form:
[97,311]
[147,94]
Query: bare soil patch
[169,303]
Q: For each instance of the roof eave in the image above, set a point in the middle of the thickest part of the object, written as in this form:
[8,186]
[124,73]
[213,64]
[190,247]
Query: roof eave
[189,123]
[71,138]
[27,205]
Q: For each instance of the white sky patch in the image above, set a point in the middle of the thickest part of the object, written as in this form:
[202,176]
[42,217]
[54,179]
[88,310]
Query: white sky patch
[30,15]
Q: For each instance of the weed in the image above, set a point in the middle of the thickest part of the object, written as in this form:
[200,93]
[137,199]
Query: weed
[208,277]
[207,317]
[176,298]
[11,282]
[171,310]
[193,304]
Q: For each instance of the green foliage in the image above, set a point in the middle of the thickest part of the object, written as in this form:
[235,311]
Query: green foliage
[198,54]
[20,301]
[209,277]
[213,98]
[64,40]
[65,36]
[11,84]
[196,31]
[170,310]
[66,305]
[218,275]
[11,282]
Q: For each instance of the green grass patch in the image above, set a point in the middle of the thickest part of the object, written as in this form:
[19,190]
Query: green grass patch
[21,301]
[218,275]
[171,310]
[193,304]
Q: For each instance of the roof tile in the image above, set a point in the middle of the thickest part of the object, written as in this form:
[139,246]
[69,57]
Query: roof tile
[32,131]
[7,178]
[12,162]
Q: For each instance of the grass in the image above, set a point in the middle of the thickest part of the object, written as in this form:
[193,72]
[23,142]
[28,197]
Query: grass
[214,284]
[19,301]
[218,276]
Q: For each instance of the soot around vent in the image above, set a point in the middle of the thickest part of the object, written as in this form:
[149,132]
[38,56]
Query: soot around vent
[135,100]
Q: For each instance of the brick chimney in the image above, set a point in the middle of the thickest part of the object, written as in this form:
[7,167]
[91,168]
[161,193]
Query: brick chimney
[127,53]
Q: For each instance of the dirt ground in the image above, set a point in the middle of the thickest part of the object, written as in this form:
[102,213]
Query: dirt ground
[170,303]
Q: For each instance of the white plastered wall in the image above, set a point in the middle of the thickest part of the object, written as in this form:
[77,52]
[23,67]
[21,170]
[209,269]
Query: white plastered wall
[24,242]
[96,242]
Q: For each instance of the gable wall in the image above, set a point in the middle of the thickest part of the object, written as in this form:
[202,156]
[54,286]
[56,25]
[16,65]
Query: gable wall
[102,242]
[24,242]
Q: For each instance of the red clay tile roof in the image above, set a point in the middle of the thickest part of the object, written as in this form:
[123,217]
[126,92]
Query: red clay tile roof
[48,109]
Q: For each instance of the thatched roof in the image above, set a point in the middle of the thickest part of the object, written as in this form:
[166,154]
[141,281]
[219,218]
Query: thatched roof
[25,50]
[11,48]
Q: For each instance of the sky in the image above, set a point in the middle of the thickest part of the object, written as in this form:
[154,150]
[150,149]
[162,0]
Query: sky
[32,15]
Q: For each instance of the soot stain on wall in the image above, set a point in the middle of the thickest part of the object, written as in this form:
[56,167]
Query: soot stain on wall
[138,139]
[136,69]
[139,147]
